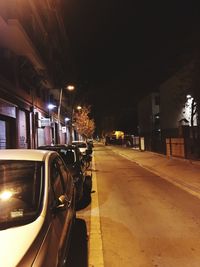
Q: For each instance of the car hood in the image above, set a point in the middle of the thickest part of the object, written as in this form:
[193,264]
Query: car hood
[14,242]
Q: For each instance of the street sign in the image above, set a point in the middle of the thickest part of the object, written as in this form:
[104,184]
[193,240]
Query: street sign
[45,122]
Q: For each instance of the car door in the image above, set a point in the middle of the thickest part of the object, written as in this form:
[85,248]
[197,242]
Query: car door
[62,205]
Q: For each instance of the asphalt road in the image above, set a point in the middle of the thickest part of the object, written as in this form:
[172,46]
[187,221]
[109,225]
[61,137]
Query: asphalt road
[145,221]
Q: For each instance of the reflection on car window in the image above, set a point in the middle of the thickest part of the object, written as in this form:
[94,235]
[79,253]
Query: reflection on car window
[56,179]
[21,186]
[66,178]
[62,180]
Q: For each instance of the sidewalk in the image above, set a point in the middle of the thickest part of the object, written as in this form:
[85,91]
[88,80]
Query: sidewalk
[181,172]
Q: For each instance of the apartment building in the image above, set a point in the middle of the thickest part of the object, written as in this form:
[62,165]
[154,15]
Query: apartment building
[31,73]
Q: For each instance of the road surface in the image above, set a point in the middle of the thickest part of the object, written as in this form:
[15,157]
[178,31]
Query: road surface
[141,219]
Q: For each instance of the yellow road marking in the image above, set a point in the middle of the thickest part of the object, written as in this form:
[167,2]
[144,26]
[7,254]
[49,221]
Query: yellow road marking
[95,238]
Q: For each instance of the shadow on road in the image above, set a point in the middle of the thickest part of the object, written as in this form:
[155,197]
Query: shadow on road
[78,253]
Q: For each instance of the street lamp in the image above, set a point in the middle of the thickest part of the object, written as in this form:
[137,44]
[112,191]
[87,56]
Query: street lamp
[70,88]
[50,108]
[79,107]
[67,119]
[59,107]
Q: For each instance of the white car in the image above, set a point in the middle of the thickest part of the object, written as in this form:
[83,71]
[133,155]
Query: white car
[82,145]
[37,208]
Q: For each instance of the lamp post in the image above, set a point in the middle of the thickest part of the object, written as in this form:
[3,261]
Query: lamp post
[70,89]
[59,107]
[50,108]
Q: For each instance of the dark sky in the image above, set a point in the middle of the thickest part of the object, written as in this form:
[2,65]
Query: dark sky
[124,49]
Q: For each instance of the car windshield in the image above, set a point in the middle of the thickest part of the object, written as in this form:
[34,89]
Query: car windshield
[68,156]
[21,187]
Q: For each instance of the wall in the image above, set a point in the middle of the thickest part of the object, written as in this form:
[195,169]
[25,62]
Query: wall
[147,109]
[172,98]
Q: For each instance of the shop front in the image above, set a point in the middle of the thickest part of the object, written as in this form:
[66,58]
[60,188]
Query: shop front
[7,125]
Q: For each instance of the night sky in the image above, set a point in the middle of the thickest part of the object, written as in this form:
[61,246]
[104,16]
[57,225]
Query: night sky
[122,50]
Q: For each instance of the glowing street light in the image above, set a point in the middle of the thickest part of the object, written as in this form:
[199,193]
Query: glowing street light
[70,87]
[51,106]
[67,119]
[79,107]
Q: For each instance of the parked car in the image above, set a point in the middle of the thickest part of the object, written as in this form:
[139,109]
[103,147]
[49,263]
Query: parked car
[90,143]
[82,145]
[86,150]
[37,208]
[87,158]
[73,159]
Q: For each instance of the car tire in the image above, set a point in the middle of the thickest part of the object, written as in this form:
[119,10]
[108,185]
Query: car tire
[86,198]
[87,187]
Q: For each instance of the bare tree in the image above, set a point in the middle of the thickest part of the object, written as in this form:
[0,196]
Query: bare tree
[82,122]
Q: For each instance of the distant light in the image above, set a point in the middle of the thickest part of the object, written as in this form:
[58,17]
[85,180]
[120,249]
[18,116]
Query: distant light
[119,134]
[51,106]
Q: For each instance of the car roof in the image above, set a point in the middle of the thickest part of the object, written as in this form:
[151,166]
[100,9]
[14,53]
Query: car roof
[78,141]
[24,154]
[56,145]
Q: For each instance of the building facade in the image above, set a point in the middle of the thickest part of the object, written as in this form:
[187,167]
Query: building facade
[149,121]
[174,117]
[30,73]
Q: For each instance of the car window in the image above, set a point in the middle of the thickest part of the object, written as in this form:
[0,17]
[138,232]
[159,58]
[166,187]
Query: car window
[56,178]
[67,179]
[21,187]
